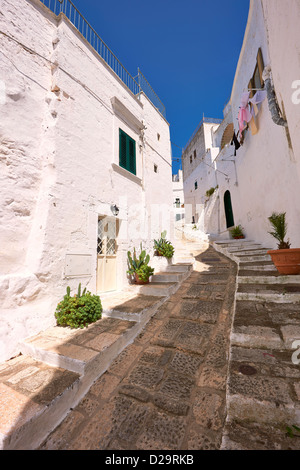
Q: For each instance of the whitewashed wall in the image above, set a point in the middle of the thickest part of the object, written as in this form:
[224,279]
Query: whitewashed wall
[264,175]
[61,110]
[201,170]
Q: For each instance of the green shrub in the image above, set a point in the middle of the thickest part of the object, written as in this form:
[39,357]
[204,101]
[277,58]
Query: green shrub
[78,311]
[237,232]
[144,272]
[209,192]
[163,247]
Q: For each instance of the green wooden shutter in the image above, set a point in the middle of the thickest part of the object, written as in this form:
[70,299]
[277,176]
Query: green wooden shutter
[131,156]
[122,149]
[127,153]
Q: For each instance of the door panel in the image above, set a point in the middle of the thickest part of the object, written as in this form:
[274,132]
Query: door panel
[228,210]
[107,254]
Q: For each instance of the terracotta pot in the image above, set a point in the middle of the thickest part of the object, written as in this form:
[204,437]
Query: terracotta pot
[286,261]
[140,281]
[238,237]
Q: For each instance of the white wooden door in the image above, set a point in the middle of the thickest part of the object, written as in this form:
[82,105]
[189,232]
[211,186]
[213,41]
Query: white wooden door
[107,254]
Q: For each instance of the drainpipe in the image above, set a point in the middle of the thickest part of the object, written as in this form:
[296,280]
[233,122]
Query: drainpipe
[272,101]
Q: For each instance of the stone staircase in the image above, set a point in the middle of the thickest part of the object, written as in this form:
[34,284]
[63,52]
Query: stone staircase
[57,367]
[258,279]
[263,387]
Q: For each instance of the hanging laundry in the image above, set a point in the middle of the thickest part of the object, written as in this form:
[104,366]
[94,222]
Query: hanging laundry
[244,115]
[259,97]
[236,143]
[253,125]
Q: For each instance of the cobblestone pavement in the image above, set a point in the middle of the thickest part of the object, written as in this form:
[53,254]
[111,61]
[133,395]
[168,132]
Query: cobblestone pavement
[166,390]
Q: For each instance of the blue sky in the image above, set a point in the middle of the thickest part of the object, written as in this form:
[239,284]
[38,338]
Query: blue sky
[188,51]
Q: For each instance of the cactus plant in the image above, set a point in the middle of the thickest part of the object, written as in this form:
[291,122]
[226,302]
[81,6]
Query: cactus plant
[137,264]
[163,247]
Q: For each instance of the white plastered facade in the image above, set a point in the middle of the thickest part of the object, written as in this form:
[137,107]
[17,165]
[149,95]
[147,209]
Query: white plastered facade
[263,176]
[61,111]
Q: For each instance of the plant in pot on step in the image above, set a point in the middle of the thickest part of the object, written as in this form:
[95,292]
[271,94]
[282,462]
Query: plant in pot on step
[237,232]
[163,247]
[139,266]
[285,258]
[78,311]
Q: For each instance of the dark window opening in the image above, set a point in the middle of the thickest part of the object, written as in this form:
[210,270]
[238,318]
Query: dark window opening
[127,152]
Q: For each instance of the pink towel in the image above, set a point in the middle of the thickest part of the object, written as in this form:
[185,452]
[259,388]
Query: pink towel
[245,115]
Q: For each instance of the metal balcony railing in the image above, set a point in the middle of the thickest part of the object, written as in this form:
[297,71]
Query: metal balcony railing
[87,31]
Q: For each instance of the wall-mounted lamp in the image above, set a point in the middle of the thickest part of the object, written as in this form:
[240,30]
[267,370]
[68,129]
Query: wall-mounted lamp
[115,210]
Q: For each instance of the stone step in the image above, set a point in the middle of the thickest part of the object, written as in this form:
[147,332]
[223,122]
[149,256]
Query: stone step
[244,253]
[259,267]
[73,359]
[232,242]
[255,273]
[268,296]
[166,276]
[183,267]
[272,278]
[55,371]
[87,351]
[254,258]
[184,260]
[257,264]
[137,308]
[161,289]
[250,248]
[282,288]
[35,398]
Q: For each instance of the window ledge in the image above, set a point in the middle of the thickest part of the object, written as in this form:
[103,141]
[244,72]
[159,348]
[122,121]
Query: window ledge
[127,174]
[121,110]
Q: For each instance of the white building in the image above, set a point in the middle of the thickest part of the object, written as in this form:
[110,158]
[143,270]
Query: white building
[78,137]
[198,170]
[262,175]
[178,198]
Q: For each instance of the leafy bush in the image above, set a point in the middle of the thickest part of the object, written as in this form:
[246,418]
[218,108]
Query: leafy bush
[279,225]
[237,232]
[209,192]
[144,272]
[163,247]
[78,311]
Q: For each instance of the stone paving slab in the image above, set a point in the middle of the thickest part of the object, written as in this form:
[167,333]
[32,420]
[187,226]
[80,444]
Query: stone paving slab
[166,390]
[28,388]
[263,382]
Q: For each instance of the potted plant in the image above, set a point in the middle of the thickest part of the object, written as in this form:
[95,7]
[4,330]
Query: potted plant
[237,232]
[78,311]
[139,266]
[285,258]
[163,247]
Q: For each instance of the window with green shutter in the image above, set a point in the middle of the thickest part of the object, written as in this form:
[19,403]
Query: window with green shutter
[127,155]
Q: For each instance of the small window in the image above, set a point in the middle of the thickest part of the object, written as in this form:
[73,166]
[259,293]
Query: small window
[158,136]
[127,154]
[195,154]
[196,185]
[155,168]
[256,81]
[191,159]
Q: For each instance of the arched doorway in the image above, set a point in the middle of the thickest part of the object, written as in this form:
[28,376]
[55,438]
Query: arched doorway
[228,210]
